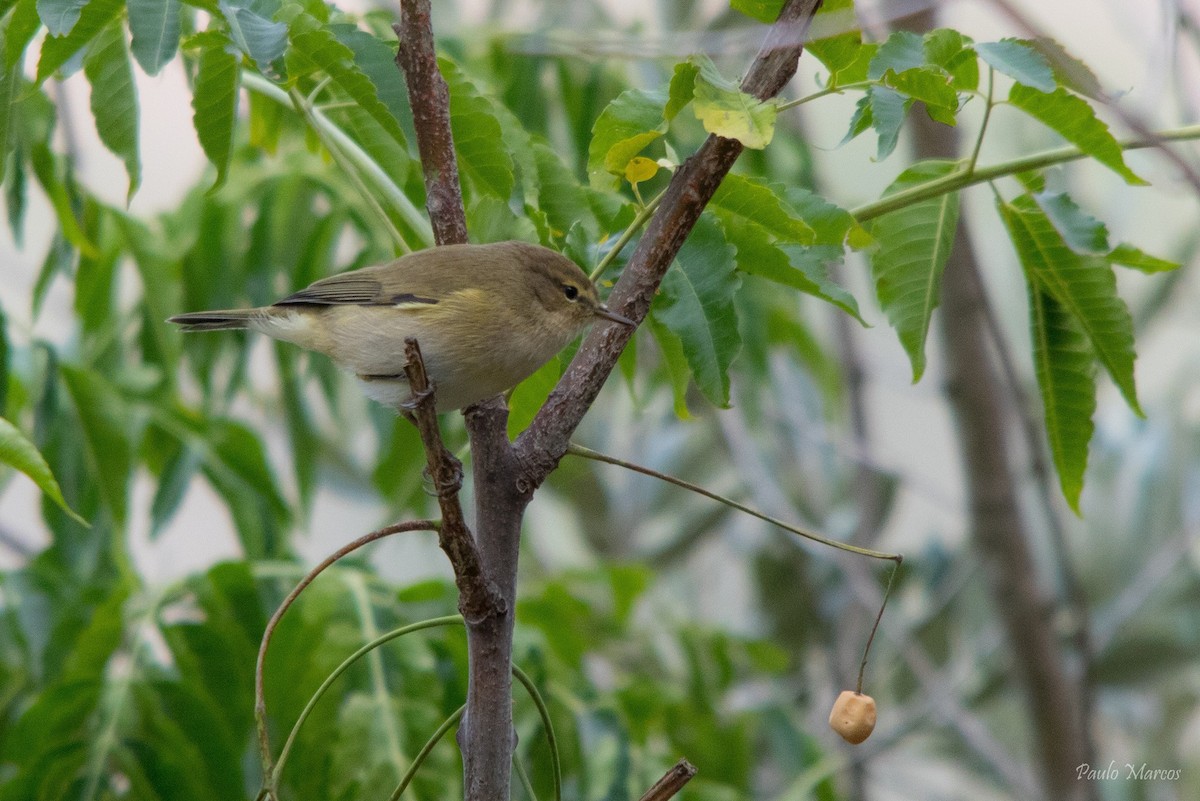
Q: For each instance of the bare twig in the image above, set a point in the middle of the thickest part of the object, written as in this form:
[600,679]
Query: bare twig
[478,597]
[671,782]
[429,98]
[588,453]
[260,701]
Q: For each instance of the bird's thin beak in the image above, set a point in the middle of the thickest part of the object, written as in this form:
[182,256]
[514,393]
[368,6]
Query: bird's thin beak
[602,311]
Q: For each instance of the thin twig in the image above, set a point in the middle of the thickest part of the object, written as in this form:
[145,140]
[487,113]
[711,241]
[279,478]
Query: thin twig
[419,759]
[887,593]
[961,179]
[671,782]
[478,597]
[587,453]
[260,700]
[429,98]
[277,771]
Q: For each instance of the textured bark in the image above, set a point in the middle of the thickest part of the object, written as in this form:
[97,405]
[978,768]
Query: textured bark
[693,185]
[505,476]
[999,532]
[429,98]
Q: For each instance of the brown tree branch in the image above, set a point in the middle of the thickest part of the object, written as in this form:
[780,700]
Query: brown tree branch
[671,782]
[429,98]
[693,185]
[478,597]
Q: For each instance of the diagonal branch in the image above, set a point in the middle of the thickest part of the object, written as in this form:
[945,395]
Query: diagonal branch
[478,597]
[429,98]
[545,441]
[672,782]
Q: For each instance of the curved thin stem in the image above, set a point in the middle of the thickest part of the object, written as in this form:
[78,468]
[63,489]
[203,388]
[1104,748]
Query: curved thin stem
[832,90]
[382,181]
[588,453]
[304,106]
[964,178]
[643,216]
[524,777]
[260,701]
[867,650]
[551,740]
[987,115]
[447,620]
[419,759]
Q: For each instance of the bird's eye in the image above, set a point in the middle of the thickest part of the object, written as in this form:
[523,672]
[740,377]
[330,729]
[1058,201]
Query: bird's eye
[571,291]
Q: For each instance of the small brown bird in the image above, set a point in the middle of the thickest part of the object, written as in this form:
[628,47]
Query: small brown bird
[486,318]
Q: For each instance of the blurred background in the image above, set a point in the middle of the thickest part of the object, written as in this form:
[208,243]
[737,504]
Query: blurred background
[665,625]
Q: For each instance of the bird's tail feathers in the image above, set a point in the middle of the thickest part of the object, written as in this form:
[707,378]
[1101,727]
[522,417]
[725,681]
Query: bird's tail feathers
[225,320]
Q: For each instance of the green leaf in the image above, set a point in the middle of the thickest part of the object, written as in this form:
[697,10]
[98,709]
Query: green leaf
[57,50]
[478,137]
[933,88]
[173,484]
[560,197]
[914,244]
[60,16]
[154,25]
[377,60]
[19,452]
[943,46]
[215,105]
[751,200]
[255,35]
[9,78]
[903,50]
[681,89]
[696,304]
[1083,285]
[104,423]
[1129,256]
[1019,61]
[114,99]
[1082,232]
[725,110]
[675,362]
[624,129]
[884,110]
[1068,70]
[762,10]
[23,24]
[837,43]
[1065,367]
[314,44]
[1073,118]
[45,168]
[831,224]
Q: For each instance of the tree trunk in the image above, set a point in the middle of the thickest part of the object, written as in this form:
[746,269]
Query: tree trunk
[999,532]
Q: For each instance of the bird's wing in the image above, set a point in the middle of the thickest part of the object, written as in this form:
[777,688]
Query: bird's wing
[371,286]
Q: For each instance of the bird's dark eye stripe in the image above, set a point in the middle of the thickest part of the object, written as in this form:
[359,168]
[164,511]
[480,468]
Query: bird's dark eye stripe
[570,291]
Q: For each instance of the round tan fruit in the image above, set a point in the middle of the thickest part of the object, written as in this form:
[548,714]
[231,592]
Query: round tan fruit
[853,716]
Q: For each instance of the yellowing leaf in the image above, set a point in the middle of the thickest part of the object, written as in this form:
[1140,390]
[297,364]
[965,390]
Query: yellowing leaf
[725,110]
[640,169]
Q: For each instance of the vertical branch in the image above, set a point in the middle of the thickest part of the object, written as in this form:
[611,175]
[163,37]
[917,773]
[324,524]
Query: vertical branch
[429,98]
[478,598]
[485,735]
